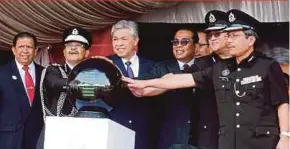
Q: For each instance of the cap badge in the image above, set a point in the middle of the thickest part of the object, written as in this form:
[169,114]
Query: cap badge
[75,32]
[232,17]
[212,18]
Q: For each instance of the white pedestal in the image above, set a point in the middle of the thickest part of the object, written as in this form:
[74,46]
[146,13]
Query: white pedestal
[86,133]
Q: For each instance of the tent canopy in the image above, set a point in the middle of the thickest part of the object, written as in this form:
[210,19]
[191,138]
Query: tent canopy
[47,19]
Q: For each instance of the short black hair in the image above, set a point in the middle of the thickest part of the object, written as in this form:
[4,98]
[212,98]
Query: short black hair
[24,35]
[195,37]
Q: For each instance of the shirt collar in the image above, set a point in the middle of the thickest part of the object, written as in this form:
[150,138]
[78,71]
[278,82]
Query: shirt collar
[20,66]
[133,59]
[191,62]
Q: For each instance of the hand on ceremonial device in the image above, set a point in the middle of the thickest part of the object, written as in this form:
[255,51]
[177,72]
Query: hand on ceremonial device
[135,86]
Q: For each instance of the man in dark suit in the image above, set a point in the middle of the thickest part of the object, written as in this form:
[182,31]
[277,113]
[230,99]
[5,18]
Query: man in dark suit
[208,123]
[173,109]
[130,112]
[20,109]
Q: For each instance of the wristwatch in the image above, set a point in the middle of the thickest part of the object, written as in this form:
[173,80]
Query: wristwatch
[285,133]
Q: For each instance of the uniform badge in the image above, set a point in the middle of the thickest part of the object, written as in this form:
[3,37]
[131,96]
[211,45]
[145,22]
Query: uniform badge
[212,18]
[251,79]
[232,17]
[225,72]
[14,77]
[75,32]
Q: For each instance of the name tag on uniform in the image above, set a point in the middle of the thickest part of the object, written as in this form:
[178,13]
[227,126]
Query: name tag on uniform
[251,79]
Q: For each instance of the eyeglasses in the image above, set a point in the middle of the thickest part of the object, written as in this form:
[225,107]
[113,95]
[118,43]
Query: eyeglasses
[71,45]
[183,41]
[215,34]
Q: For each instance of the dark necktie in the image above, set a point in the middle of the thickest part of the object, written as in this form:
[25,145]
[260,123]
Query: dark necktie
[29,85]
[129,69]
[185,68]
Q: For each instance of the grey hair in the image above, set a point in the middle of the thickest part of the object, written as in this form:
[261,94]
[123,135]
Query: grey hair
[251,32]
[124,24]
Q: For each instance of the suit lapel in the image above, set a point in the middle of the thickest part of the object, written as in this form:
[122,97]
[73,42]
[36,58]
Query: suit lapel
[20,90]
[38,70]
[118,61]
[174,67]
[141,66]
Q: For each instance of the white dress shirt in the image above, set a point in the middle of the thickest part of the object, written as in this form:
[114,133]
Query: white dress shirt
[191,62]
[134,64]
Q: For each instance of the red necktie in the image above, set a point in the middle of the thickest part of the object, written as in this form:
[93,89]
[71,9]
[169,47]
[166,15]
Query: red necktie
[29,85]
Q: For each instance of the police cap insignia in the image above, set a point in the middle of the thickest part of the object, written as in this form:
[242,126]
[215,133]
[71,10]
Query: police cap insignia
[215,20]
[239,20]
[212,18]
[77,34]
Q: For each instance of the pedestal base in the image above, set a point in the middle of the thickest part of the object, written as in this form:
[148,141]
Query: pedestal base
[86,133]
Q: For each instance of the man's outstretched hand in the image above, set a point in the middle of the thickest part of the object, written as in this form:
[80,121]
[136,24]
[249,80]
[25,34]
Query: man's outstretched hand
[135,86]
[132,83]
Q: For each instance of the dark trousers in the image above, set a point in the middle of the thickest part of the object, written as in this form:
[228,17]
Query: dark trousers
[40,141]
